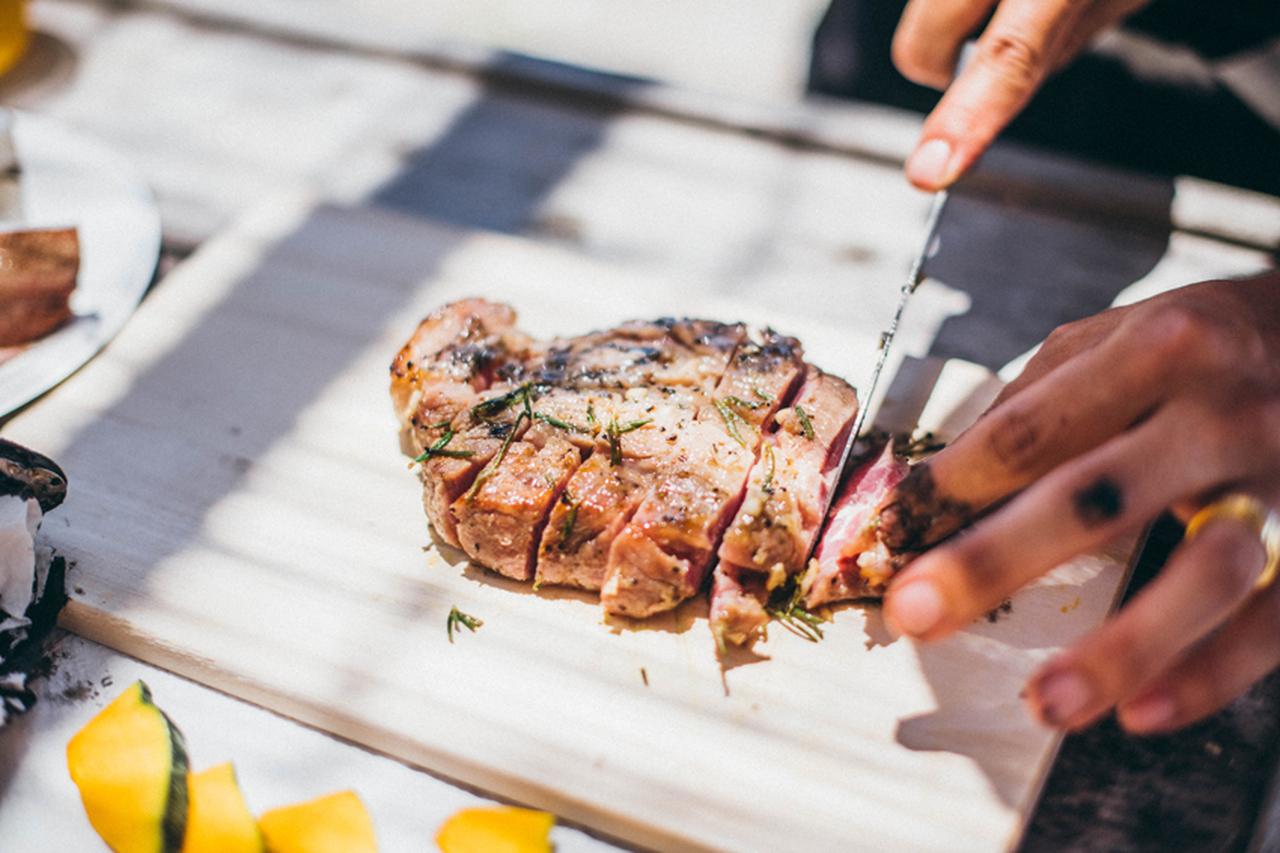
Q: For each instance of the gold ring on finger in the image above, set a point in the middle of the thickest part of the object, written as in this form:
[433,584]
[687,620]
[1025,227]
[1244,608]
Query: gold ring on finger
[1262,521]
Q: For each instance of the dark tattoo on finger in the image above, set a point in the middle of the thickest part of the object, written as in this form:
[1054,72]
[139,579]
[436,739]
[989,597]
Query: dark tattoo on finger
[919,516]
[1099,502]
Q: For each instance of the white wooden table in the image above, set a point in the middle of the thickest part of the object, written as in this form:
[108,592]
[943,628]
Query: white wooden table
[221,110]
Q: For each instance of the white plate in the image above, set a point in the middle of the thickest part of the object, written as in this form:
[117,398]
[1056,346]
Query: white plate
[71,180]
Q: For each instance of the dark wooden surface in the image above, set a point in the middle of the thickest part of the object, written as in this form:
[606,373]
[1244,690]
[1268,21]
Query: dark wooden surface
[1203,788]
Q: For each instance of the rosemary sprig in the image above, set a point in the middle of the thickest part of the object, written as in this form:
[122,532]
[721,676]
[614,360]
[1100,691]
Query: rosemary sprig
[767,398]
[744,404]
[731,421]
[570,519]
[767,485]
[786,606]
[591,415]
[489,409]
[457,617]
[488,470]
[805,424]
[437,448]
[551,420]
[614,432]
[495,406]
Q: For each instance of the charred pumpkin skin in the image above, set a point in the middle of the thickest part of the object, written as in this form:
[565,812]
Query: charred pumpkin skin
[218,819]
[337,823]
[496,830]
[130,764]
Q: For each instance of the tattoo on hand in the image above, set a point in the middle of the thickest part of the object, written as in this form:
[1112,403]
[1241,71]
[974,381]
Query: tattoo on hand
[1099,502]
[919,516]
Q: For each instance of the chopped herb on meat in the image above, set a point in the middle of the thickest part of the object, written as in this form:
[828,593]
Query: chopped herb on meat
[805,424]
[570,519]
[731,421]
[615,431]
[488,471]
[439,448]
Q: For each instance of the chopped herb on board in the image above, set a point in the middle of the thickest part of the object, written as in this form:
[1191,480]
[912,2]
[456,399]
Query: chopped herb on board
[785,606]
[457,617]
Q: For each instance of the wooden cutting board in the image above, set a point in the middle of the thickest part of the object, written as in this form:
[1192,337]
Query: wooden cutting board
[240,513]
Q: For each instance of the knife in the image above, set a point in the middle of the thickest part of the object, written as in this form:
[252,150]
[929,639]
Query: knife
[914,277]
[916,274]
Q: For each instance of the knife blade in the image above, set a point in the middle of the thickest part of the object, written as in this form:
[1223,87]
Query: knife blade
[916,274]
[914,277]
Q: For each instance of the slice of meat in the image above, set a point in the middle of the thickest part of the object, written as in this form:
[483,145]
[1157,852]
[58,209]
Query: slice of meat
[499,520]
[38,270]
[456,355]
[850,563]
[779,519]
[661,557]
[738,616]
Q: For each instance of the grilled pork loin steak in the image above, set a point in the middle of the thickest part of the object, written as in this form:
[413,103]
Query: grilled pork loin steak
[626,461]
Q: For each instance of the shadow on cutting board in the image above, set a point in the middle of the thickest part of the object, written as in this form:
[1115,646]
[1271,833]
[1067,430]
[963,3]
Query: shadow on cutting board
[238,379]
[1042,617]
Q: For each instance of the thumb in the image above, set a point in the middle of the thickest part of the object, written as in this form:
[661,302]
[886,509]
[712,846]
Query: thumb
[1012,59]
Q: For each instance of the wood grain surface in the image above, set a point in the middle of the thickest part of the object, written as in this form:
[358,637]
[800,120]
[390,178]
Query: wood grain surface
[240,513]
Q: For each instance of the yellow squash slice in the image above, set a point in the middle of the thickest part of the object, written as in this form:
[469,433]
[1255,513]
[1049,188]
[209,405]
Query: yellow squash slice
[218,821]
[130,764]
[496,830]
[337,823]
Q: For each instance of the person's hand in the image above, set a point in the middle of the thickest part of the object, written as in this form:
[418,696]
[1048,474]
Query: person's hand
[1159,405]
[1025,42]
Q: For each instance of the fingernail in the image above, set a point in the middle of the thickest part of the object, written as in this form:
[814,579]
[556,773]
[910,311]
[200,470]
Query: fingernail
[1062,696]
[1148,713]
[915,608]
[927,165]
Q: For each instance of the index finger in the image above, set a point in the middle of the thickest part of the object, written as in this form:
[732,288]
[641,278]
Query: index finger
[1072,409]
[1014,55]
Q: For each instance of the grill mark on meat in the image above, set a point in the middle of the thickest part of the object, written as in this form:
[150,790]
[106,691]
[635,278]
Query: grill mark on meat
[661,556]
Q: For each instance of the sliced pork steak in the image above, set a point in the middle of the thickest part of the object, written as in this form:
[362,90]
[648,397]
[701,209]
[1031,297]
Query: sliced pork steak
[627,460]
[662,555]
